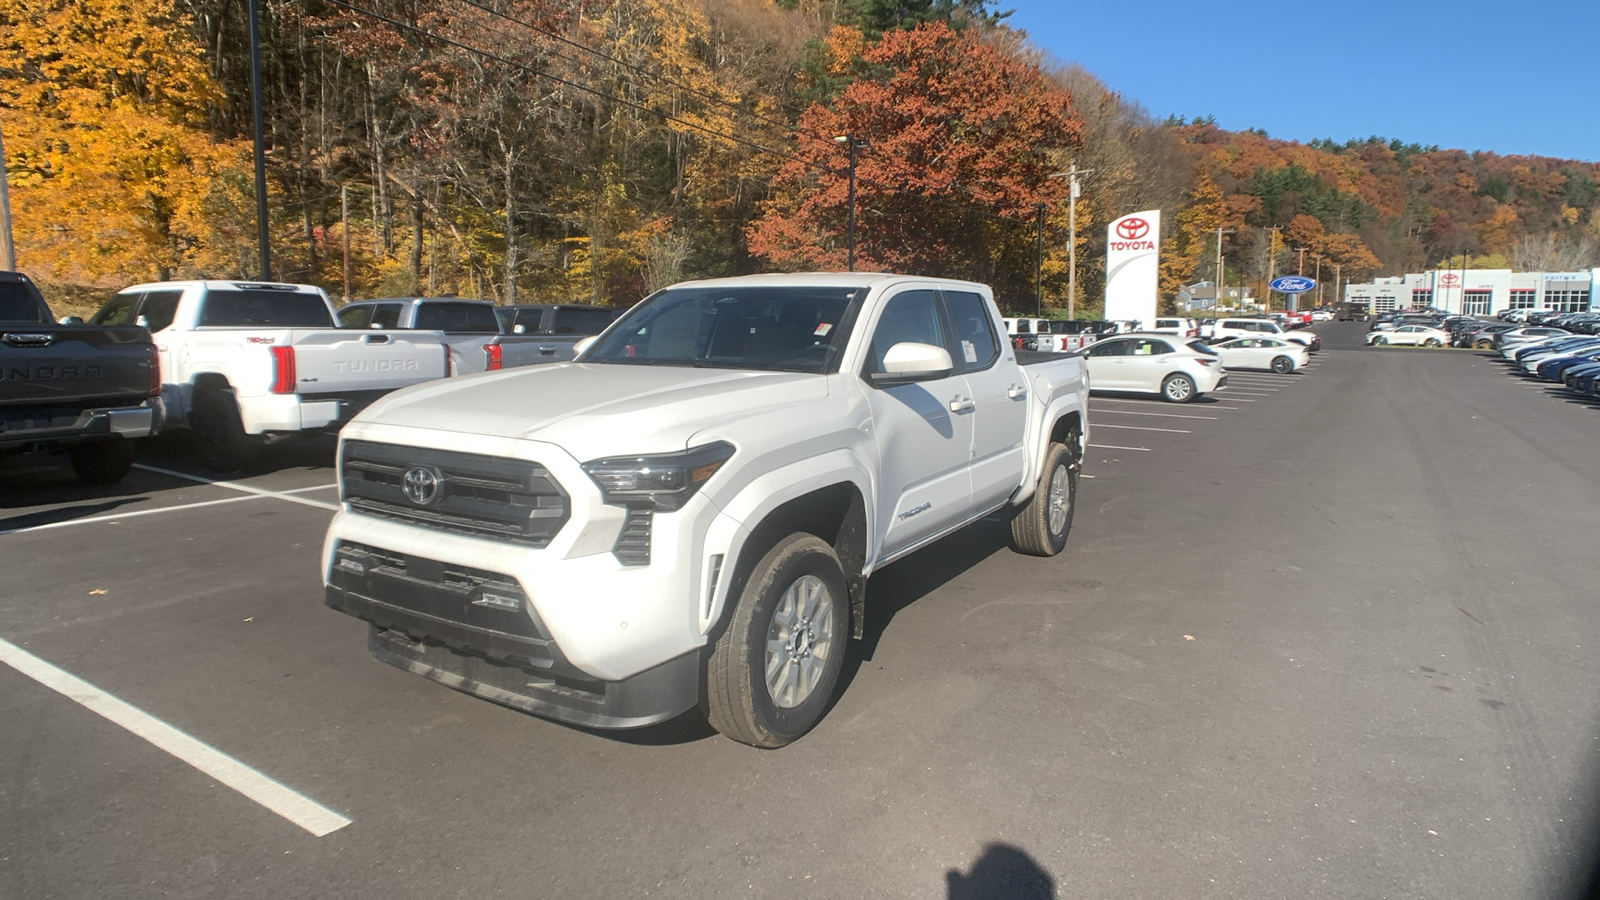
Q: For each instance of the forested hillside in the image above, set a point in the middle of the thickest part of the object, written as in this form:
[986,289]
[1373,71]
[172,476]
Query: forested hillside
[591,150]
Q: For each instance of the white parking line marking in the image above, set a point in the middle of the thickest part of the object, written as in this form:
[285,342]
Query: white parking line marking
[1115,447]
[288,803]
[1129,412]
[1139,428]
[117,517]
[1234,390]
[1233,399]
[236,486]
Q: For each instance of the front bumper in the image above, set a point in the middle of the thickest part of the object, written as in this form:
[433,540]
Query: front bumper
[476,631]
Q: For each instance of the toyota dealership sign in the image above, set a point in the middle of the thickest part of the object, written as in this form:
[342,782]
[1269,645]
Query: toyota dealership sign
[1133,248]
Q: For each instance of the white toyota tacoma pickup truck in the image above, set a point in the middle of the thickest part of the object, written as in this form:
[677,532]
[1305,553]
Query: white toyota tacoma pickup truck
[245,361]
[688,513]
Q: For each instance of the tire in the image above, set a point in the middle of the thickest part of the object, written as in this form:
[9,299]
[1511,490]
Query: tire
[1484,345]
[219,435]
[795,608]
[1381,342]
[1283,365]
[1178,388]
[1041,527]
[1432,342]
[102,462]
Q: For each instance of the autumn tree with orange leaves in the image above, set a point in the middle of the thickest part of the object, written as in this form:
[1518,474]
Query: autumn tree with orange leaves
[960,143]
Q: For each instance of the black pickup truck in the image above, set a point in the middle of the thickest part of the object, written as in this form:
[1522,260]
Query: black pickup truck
[83,390]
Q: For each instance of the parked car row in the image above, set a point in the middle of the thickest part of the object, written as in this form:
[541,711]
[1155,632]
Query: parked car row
[1569,359]
[241,363]
[1582,322]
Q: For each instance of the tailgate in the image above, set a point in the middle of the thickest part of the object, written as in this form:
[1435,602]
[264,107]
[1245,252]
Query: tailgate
[332,361]
[74,365]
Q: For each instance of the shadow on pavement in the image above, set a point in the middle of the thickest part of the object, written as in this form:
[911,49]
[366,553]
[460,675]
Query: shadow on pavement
[1003,872]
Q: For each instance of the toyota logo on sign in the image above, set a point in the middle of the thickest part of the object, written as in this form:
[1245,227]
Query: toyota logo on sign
[1449,279]
[420,484]
[1132,229]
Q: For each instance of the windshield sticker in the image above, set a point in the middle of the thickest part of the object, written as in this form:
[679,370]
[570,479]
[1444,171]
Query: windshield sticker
[823,329]
[969,351]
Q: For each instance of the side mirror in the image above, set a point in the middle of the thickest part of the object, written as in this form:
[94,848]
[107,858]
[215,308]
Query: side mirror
[909,362]
[70,320]
[582,345]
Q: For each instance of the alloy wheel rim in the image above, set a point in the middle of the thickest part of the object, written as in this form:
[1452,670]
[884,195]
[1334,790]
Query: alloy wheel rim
[1177,388]
[1060,499]
[800,641]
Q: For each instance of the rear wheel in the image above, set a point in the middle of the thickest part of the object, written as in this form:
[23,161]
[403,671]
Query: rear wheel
[1484,345]
[772,673]
[1283,365]
[1178,388]
[1041,527]
[1432,342]
[102,462]
[219,433]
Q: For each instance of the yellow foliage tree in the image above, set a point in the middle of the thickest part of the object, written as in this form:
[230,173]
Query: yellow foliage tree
[113,176]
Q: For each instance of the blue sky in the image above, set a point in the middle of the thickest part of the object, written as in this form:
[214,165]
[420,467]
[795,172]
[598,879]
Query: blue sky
[1509,77]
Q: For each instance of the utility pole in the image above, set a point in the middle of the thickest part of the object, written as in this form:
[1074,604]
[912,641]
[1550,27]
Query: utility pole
[344,232]
[1319,279]
[1300,267]
[1220,233]
[1072,174]
[1338,272]
[8,250]
[1272,259]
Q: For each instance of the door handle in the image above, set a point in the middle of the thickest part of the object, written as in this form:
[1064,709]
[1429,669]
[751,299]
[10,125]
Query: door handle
[375,338]
[1016,392]
[961,404]
[547,350]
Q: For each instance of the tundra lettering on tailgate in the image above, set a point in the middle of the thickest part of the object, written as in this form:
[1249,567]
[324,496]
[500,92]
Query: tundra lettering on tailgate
[48,373]
[376,365]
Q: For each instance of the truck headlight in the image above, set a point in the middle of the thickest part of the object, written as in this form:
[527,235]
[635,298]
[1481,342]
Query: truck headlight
[664,482]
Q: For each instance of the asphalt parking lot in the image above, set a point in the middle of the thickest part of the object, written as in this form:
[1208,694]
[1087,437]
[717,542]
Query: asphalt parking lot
[1322,635]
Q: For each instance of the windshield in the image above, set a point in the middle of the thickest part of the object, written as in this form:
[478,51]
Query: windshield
[787,329]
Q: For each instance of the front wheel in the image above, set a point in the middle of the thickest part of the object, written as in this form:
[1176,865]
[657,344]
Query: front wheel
[1041,527]
[772,673]
[1432,342]
[102,462]
[1381,342]
[1283,365]
[1178,389]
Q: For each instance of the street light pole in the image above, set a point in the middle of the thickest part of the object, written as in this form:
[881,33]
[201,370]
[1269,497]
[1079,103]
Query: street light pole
[260,142]
[1038,264]
[849,140]
[1272,259]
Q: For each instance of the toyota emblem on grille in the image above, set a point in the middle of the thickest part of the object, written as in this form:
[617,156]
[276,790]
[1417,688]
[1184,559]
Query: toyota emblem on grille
[420,485]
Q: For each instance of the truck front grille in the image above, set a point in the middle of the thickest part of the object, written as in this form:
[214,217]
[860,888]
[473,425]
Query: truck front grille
[482,496]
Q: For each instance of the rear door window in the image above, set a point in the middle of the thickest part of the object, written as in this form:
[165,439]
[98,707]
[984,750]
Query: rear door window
[354,316]
[460,318]
[158,308]
[265,308]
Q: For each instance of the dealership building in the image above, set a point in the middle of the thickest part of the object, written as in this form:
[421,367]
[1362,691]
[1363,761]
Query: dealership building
[1478,292]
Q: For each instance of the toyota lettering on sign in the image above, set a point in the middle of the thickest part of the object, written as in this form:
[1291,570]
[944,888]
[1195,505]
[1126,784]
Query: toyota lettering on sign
[1132,254]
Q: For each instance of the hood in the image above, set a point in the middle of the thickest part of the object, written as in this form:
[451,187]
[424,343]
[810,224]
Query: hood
[594,411]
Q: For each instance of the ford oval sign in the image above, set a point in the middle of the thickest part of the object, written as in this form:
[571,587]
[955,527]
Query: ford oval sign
[1293,284]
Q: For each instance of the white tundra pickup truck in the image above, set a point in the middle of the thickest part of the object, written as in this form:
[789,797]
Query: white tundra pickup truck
[241,361]
[688,512]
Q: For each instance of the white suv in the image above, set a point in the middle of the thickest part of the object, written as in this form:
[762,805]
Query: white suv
[1187,328]
[1222,329]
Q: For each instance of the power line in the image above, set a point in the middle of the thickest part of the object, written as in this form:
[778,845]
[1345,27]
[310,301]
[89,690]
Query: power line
[736,108]
[537,73]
